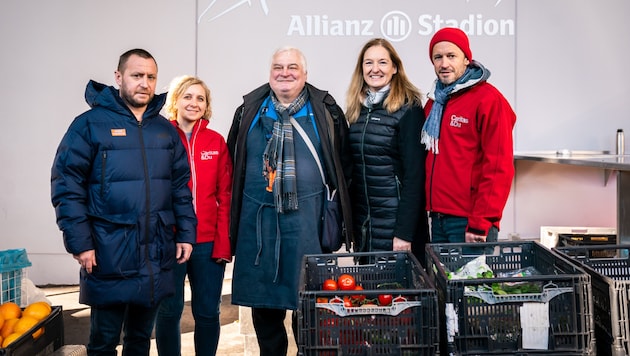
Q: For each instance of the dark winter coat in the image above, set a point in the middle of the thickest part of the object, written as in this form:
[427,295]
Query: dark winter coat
[269,246]
[388,178]
[336,154]
[120,187]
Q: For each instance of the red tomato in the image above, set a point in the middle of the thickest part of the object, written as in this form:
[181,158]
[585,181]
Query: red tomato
[385,299]
[399,299]
[346,282]
[329,284]
[360,297]
[347,302]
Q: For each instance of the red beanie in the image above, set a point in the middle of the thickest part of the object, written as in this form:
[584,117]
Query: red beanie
[453,35]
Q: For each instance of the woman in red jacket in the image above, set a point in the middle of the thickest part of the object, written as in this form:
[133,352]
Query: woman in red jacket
[188,107]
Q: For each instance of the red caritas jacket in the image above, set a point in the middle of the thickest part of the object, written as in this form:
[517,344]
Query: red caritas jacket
[471,176]
[211,185]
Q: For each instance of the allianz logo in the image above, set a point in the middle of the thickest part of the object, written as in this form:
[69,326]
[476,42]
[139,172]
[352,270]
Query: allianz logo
[396,26]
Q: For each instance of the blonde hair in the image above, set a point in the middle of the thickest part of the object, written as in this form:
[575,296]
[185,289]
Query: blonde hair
[401,92]
[177,88]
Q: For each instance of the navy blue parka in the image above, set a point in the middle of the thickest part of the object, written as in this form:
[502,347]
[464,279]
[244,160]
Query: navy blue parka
[120,187]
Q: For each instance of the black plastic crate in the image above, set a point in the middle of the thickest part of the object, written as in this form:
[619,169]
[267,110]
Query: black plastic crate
[610,281]
[50,340]
[489,324]
[408,327]
[566,240]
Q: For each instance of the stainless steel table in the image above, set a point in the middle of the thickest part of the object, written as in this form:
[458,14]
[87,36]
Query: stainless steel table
[609,163]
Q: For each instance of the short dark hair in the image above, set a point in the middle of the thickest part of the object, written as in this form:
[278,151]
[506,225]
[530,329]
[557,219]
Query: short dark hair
[138,52]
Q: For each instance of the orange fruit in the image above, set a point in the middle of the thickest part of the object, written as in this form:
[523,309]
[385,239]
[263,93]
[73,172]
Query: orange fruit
[7,328]
[10,310]
[39,332]
[1,323]
[24,324]
[37,310]
[9,339]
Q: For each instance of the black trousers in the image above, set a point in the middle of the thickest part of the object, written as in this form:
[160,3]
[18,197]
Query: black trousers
[270,331]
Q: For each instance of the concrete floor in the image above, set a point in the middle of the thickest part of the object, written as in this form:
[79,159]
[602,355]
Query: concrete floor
[237,334]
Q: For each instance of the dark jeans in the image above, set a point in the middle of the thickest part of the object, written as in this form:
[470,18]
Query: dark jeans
[270,331]
[106,323]
[452,229]
[206,280]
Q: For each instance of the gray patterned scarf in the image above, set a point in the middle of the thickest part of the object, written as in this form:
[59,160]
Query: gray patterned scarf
[279,155]
[375,97]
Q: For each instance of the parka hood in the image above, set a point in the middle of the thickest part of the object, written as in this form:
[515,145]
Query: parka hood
[98,94]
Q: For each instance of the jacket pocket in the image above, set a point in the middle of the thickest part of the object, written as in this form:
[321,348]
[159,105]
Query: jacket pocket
[116,246]
[166,236]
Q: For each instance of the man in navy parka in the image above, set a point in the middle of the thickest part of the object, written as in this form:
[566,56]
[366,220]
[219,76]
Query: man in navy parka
[120,190]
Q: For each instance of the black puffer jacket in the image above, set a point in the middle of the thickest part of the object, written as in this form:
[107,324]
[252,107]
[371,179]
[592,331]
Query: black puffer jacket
[388,178]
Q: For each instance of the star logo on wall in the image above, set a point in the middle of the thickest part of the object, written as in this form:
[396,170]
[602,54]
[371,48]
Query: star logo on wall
[236,5]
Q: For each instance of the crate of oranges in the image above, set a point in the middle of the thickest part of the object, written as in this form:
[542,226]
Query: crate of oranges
[34,330]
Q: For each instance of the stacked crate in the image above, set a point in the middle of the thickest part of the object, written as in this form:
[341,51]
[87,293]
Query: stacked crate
[475,319]
[609,268]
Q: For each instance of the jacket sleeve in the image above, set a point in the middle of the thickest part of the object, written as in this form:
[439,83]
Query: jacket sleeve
[221,247]
[182,197]
[233,133]
[69,188]
[411,216]
[496,121]
[343,170]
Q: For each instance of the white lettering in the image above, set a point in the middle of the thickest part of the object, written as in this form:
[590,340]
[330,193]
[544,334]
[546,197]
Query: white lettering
[352,27]
[472,25]
[367,28]
[296,25]
[336,28]
[396,26]
[425,25]
[316,25]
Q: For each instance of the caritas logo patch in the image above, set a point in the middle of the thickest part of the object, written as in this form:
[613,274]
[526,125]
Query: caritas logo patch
[457,121]
[207,155]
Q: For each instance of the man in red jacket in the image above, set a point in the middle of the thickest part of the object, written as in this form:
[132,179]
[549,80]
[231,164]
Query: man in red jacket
[468,135]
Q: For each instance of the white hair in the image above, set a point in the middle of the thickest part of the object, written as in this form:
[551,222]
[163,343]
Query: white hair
[291,49]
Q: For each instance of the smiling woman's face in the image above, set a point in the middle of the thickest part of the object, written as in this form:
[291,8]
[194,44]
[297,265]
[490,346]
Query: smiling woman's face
[378,68]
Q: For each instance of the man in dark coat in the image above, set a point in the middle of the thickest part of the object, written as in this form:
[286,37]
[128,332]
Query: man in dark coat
[120,192]
[276,210]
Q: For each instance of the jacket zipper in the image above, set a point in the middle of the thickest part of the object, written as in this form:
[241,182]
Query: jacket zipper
[103,167]
[191,160]
[430,182]
[147,213]
[365,224]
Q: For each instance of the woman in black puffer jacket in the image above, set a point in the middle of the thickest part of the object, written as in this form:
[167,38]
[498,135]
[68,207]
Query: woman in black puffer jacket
[385,114]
